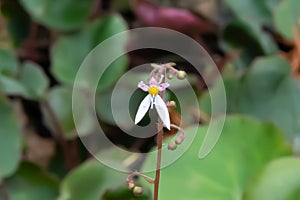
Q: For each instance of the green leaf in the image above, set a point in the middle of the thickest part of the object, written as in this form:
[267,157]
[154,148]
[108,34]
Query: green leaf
[32,183]
[267,91]
[62,15]
[9,84]
[90,181]
[114,71]
[286,16]
[280,180]
[231,88]
[69,51]
[12,86]
[17,20]
[253,11]
[32,83]
[10,139]
[249,39]
[60,100]
[243,149]
[9,63]
[34,80]
[245,32]
[104,108]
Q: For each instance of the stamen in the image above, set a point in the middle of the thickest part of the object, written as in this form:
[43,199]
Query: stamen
[152,102]
[153,90]
[161,78]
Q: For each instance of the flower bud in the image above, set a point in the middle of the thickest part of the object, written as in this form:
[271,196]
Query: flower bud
[171,103]
[138,191]
[181,75]
[131,185]
[179,139]
[170,76]
[172,146]
[171,64]
[154,65]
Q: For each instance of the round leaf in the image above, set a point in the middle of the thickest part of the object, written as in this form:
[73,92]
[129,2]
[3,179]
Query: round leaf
[253,11]
[280,180]
[267,91]
[287,16]
[60,100]
[69,51]
[90,181]
[12,86]
[242,151]
[32,183]
[249,39]
[10,139]
[18,21]
[34,80]
[61,15]
[9,63]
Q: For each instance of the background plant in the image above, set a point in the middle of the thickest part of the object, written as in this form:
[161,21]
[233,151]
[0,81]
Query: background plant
[255,45]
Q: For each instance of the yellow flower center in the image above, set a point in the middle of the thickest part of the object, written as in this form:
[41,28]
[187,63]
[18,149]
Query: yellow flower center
[153,90]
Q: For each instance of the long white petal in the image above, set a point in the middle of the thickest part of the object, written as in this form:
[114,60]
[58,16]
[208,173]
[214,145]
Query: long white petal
[143,108]
[162,111]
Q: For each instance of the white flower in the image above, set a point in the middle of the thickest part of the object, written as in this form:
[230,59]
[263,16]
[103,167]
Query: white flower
[153,99]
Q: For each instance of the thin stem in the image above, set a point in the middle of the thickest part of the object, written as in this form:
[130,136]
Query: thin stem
[158,162]
[3,191]
[153,73]
[162,68]
[159,141]
[147,178]
[170,67]
[70,157]
[178,128]
[204,117]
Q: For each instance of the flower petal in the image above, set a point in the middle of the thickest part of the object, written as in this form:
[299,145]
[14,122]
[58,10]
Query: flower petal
[163,86]
[162,111]
[153,82]
[143,86]
[143,108]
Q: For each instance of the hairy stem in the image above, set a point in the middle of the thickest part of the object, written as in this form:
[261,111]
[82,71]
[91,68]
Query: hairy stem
[158,162]
[178,128]
[147,178]
[159,141]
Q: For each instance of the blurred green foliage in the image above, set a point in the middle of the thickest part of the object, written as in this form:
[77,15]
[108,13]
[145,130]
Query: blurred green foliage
[261,92]
[243,150]
[254,43]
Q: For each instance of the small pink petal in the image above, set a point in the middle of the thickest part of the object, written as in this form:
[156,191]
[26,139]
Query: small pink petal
[143,86]
[163,86]
[153,82]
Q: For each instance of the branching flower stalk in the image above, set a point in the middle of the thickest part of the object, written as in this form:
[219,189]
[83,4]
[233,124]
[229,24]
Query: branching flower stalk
[156,98]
